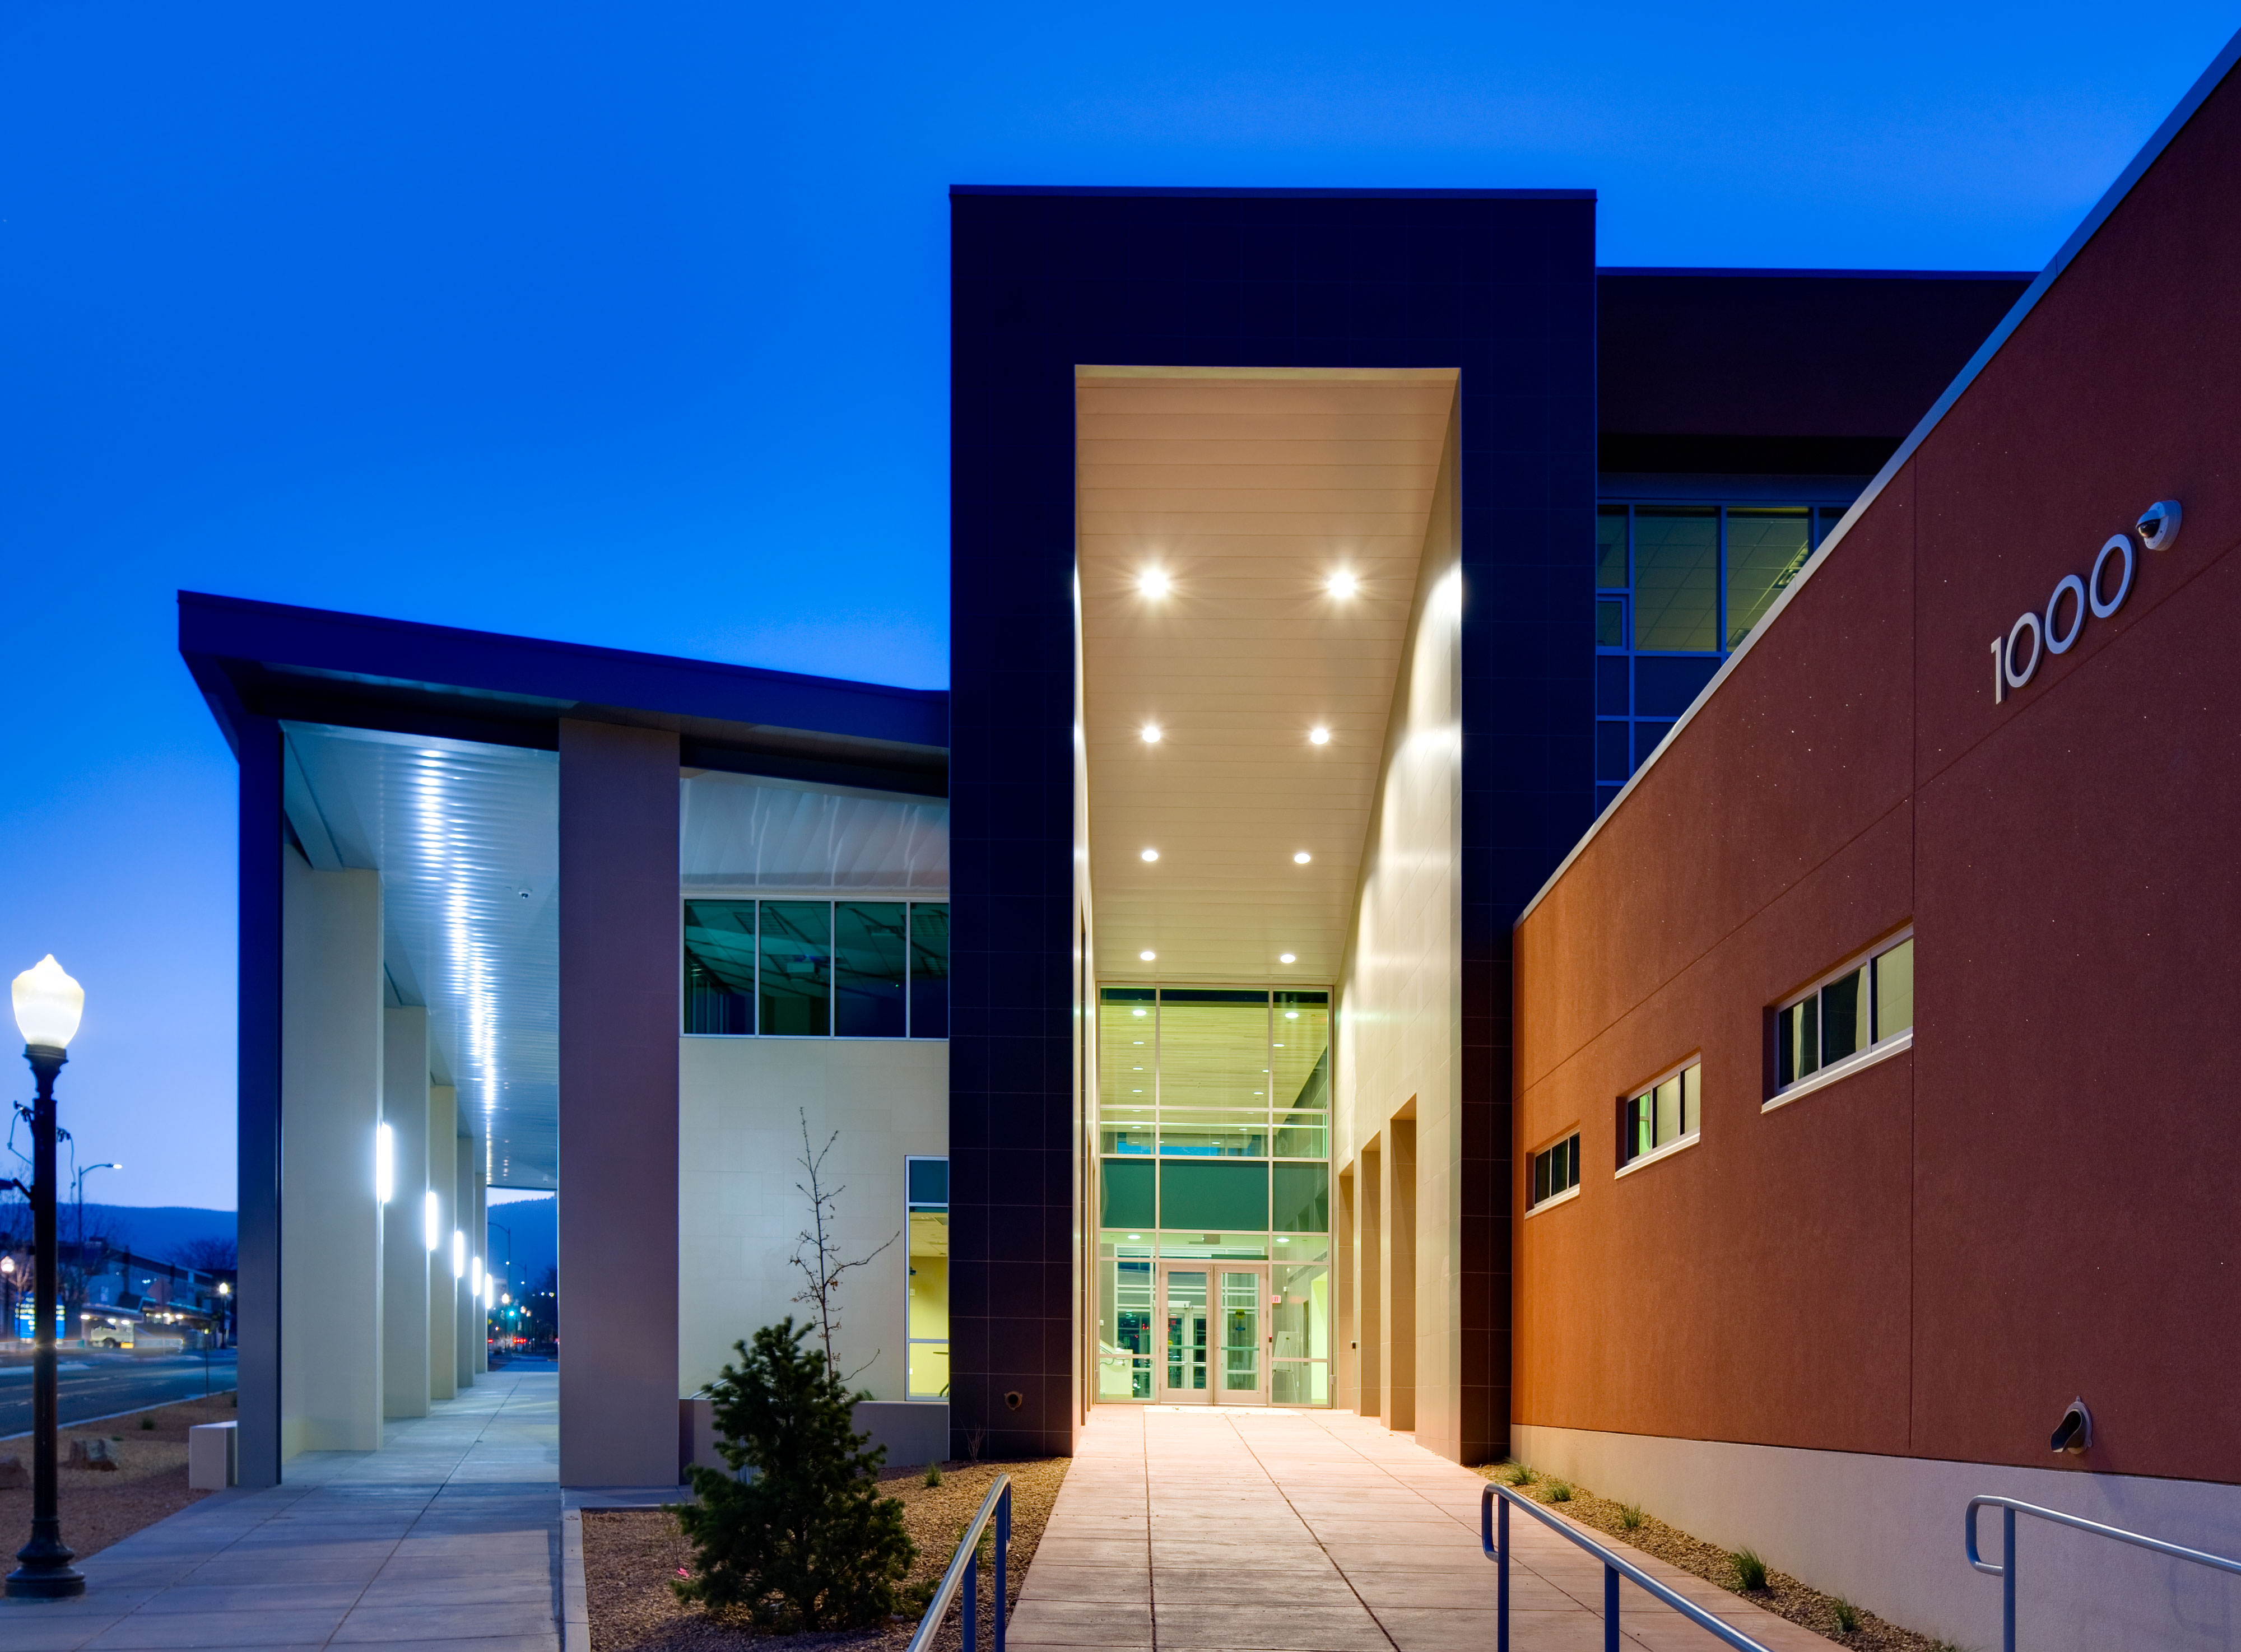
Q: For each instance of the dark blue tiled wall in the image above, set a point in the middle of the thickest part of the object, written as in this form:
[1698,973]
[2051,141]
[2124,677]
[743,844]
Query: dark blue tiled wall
[1499,285]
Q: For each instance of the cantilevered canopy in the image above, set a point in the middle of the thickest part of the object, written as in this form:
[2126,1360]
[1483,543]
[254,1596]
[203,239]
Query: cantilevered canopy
[429,754]
[1216,509]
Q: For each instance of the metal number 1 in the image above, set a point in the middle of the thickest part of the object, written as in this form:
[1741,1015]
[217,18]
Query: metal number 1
[2000,674]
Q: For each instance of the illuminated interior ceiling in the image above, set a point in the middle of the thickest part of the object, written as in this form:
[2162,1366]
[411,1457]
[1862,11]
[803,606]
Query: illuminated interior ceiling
[1246,491]
[466,838]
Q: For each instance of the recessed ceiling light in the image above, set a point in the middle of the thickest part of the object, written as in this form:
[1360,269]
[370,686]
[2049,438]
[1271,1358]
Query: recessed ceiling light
[1151,733]
[1301,859]
[1289,958]
[1291,1015]
[1147,957]
[1343,585]
[1153,583]
[1151,854]
[1319,737]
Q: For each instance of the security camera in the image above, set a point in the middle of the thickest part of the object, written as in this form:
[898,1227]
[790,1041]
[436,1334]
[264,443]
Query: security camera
[2075,1433]
[2158,524]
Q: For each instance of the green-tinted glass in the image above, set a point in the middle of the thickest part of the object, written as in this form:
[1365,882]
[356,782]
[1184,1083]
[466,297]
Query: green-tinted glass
[869,951]
[1844,1016]
[1213,1197]
[794,989]
[1128,1068]
[1610,622]
[1125,1321]
[1301,1196]
[1126,1193]
[1214,1074]
[929,970]
[1300,1313]
[1895,990]
[1611,548]
[1676,573]
[719,967]
[1765,550]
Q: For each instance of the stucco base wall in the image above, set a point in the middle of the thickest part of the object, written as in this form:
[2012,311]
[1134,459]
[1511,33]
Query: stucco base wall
[741,1103]
[1885,1532]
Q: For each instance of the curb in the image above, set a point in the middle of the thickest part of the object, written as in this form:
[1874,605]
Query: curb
[575,1612]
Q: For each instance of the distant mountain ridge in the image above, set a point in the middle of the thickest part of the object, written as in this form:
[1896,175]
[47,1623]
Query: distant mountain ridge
[157,1232]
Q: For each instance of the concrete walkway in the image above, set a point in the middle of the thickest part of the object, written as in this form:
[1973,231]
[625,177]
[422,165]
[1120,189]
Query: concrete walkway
[445,1540]
[1312,1531]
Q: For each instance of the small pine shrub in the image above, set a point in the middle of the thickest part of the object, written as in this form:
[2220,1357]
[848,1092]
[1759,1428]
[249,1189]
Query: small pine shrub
[1518,1474]
[934,1474]
[1559,1491]
[1629,1516]
[1750,1570]
[808,1543]
[1848,1615]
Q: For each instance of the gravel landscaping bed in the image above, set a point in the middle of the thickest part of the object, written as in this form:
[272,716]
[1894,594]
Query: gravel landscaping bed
[98,1505]
[631,1555]
[1783,1595]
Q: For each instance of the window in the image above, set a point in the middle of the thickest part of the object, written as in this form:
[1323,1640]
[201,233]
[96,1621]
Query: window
[817,968]
[1555,1170]
[1867,1006]
[1678,586]
[1665,1114]
[926,1182]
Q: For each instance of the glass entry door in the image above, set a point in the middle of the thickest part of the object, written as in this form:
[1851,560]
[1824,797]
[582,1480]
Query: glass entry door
[1215,1333]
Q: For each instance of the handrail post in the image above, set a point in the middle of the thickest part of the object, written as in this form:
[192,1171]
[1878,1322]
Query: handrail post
[1501,1587]
[969,1607]
[1003,1548]
[2007,1579]
[1610,1608]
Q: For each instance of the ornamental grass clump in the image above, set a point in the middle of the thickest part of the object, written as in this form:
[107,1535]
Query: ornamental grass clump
[806,1542]
[1518,1474]
[1750,1570]
[1629,1516]
[1559,1491]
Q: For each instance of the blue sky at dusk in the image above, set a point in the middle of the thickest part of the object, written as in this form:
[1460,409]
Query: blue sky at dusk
[628,325]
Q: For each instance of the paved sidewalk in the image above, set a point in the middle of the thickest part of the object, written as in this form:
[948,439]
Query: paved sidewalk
[1217,1530]
[445,1540]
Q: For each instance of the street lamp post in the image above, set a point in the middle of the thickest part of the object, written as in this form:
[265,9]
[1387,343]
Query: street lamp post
[48,1004]
[8,1290]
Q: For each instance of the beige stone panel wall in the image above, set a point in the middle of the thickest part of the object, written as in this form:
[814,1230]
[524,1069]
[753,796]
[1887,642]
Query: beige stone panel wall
[1397,1030]
[404,1252]
[740,1103]
[331,1033]
[442,1293]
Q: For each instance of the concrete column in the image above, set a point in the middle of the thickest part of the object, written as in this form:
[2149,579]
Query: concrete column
[481,1231]
[1369,1277]
[1345,1392]
[404,1251]
[331,1093]
[618,1036]
[443,1296]
[466,1168]
[1397,1286]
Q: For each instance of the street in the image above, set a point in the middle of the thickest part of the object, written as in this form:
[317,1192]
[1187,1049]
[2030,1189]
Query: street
[99,1382]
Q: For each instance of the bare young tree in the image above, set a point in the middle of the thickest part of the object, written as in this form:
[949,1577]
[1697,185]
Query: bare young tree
[817,1250]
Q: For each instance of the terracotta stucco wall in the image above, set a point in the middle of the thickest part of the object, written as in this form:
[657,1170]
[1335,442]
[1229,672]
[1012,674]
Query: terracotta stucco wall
[1931,1257]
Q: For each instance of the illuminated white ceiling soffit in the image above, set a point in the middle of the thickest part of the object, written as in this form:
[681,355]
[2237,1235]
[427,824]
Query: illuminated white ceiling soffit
[1245,493]
[466,838]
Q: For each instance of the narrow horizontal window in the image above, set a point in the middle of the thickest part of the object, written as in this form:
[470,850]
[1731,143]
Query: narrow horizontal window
[1555,1170]
[1865,1006]
[1668,1111]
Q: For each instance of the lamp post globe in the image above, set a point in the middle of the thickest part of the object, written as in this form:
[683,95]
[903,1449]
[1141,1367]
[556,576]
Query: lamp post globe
[48,1004]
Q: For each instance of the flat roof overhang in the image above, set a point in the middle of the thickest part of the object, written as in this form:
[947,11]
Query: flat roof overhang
[352,671]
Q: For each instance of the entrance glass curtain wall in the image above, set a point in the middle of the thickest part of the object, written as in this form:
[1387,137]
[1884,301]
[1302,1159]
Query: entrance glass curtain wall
[1213,1195]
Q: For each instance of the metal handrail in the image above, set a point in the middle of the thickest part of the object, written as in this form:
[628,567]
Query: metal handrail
[2006,1571]
[965,1572]
[1613,1569]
